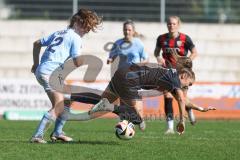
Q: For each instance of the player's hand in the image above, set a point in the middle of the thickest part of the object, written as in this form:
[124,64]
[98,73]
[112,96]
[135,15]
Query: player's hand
[180,127]
[34,67]
[174,53]
[161,61]
[212,108]
[209,108]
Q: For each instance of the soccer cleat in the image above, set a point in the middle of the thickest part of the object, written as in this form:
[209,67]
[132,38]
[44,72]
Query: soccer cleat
[61,137]
[169,131]
[191,116]
[38,140]
[142,126]
[102,105]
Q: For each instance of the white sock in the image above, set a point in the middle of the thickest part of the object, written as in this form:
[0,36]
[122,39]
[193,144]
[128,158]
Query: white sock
[191,115]
[170,124]
[84,116]
[67,96]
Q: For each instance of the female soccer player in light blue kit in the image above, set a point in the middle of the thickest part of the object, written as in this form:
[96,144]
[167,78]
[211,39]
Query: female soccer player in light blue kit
[61,46]
[130,48]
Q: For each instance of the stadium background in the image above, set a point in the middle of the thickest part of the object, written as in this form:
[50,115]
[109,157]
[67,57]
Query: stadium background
[212,24]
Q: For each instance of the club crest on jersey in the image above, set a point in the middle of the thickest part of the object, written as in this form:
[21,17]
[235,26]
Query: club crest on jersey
[179,43]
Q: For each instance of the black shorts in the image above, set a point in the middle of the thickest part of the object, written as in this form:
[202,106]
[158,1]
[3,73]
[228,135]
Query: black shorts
[123,86]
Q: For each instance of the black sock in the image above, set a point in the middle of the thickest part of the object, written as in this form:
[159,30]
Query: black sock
[168,108]
[86,97]
[127,113]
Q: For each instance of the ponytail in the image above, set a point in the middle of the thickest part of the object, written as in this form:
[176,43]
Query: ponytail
[184,62]
[130,22]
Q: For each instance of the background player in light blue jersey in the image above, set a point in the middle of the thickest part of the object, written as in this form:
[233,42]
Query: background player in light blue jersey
[61,46]
[128,50]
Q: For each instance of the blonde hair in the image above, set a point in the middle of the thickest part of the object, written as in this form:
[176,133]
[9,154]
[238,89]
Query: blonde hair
[184,62]
[187,71]
[175,17]
[130,22]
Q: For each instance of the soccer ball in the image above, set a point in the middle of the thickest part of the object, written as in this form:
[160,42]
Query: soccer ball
[124,130]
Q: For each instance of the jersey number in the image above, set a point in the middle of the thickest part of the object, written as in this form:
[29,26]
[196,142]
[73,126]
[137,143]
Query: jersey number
[56,42]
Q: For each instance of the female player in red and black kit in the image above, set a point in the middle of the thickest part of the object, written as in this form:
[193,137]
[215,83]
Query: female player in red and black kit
[173,43]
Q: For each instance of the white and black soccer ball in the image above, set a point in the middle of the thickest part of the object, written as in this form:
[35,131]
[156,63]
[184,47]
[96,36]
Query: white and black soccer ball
[125,130]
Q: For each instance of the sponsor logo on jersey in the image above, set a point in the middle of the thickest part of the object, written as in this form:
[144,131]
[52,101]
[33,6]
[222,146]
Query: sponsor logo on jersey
[170,50]
[179,43]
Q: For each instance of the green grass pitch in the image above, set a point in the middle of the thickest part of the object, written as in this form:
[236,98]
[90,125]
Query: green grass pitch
[95,139]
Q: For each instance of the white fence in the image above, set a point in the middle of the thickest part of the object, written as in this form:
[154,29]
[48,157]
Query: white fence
[217,44]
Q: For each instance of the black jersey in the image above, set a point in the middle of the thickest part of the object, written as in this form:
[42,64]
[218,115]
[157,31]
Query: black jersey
[128,80]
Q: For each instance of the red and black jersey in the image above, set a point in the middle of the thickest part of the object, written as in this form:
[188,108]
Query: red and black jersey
[182,44]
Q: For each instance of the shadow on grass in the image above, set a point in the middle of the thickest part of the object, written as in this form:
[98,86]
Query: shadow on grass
[14,141]
[63,143]
[87,142]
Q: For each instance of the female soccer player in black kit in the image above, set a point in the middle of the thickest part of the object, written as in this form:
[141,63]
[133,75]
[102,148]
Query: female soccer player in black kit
[127,81]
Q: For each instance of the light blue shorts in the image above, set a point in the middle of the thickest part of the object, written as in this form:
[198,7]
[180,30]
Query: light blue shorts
[43,80]
[51,81]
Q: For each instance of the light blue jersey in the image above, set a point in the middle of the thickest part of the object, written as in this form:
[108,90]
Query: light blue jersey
[61,45]
[128,52]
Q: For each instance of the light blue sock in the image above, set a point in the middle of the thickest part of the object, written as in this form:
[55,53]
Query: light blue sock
[47,119]
[60,122]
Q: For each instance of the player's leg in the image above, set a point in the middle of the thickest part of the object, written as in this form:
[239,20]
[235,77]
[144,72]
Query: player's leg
[191,115]
[137,105]
[169,113]
[127,110]
[84,98]
[122,88]
[105,104]
[47,117]
[189,110]
[124,111]
[58,133]
[191,106]
[127,90]
[57,100]
[89,98]
[57,106]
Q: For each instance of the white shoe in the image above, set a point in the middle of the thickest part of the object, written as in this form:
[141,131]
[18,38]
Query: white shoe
[191,116]
[38,140]
[61,137]
[169,131]
[102,105]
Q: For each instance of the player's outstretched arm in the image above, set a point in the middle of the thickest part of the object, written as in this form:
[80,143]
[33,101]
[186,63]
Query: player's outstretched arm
[191,105]
[179,96]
